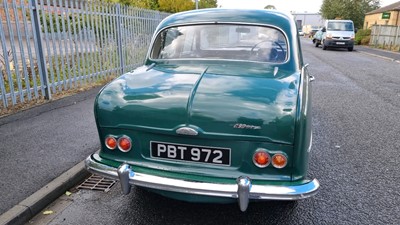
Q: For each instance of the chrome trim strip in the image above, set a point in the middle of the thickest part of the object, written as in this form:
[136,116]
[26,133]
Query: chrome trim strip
[243,190]
[311,139]
[304,67]
[168,131]
[276,69]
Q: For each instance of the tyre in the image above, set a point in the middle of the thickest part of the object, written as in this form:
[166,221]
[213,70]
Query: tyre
[350,49]
[323,45]
[316,43]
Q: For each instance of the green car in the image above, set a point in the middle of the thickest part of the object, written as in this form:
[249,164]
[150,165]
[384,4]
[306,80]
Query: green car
[219,112]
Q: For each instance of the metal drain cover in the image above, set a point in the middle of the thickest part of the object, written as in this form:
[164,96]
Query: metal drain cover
[97,183]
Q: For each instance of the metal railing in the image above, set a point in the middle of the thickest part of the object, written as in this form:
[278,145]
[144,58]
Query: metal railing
[50,46]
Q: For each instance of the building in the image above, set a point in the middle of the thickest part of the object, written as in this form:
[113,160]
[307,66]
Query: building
[387,15]
[308,21]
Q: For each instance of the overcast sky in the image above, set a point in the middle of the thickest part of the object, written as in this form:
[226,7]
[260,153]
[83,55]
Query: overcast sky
[311,6]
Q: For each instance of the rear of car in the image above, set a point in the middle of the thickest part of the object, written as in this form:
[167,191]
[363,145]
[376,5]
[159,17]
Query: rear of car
[220,111]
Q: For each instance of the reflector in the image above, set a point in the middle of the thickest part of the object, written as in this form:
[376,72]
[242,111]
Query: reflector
[279,161]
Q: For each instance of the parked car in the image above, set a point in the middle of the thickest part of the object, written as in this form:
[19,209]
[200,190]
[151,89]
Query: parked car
[301,32]
[312,33]
[219,112]
[317,37]
[338,34]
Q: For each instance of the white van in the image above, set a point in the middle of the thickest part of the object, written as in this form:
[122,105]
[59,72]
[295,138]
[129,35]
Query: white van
[338,34]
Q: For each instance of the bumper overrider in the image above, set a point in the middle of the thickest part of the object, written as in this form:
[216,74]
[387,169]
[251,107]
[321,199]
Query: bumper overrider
[243,190]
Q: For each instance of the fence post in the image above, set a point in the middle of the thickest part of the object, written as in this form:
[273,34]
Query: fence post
[396,40]
[7,69]
[41,59]
[375,42]
[119,38]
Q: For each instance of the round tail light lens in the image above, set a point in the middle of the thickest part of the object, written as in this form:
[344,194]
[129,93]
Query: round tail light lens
[261,158]
[279,161]
[111,142]
[124,143]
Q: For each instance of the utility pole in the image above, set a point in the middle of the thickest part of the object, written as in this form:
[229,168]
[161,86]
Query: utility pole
[197,4]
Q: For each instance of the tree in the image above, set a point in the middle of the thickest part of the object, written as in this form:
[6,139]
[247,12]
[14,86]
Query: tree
[270,7]
[207,4]
[174,6]
[145,4]
[171,6]
[348,9]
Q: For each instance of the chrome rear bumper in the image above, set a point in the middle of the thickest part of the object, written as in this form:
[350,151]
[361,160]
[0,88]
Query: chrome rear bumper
[243,190]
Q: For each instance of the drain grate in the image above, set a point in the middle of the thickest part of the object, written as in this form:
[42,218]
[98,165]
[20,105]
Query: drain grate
[97,183]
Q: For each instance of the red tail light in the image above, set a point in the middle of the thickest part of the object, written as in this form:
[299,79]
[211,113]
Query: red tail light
[261,158]
[124,143]
[111,142]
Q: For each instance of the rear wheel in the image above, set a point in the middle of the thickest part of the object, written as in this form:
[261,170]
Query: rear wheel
[350,49]
[323,45]
[316,43]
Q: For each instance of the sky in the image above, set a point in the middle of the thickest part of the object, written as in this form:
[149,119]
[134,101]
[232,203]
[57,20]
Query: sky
[299,6]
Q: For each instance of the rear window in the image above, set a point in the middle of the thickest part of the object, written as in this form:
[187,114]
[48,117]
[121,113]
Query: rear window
[221,41]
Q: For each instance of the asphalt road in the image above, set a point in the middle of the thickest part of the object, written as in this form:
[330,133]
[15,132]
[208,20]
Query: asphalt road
[355,156]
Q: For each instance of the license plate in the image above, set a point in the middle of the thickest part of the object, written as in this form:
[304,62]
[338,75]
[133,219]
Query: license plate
[340,43]
[191,153]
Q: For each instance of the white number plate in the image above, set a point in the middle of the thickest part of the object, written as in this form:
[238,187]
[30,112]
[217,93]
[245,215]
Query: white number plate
[340,43]
[192,153]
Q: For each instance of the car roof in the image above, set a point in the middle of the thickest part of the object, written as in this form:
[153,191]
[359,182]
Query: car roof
[273,18]
[217,15]
[339,21]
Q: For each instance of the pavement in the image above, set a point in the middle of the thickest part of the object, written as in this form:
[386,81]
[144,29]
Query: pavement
[42,150]
[389,55]
[38,148]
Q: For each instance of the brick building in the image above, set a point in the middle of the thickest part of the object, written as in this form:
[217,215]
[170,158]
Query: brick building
[387,15]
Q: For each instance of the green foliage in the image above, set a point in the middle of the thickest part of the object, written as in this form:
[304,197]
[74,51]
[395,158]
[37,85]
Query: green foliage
[363,37]
[24,83]
[170,6]
[144,4]
[270,7]
[348,9]
[174,6]
[50,22]
[207,4]
[75,23]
